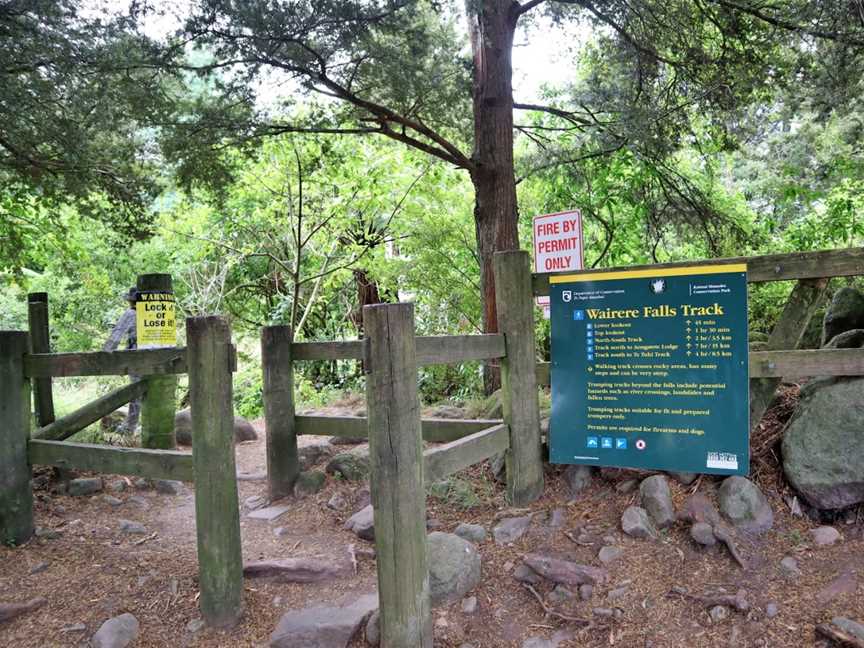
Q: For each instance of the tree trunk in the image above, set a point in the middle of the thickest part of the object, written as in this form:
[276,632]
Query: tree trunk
[492,24]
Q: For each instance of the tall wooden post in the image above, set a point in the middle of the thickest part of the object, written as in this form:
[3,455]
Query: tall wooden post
[159,404]
[16,497]
[40,342]
[524,459]
[220,566]
[283,464]
[396,457]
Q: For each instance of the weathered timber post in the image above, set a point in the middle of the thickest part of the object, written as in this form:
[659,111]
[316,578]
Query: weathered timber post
[787,333]
[220,568]
[16,497]
[524,459]
[40,342]
[396,457]
[159,405]
[283,464]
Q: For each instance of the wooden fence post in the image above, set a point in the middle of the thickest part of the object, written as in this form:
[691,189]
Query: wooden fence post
[40,342]
[220,562]
[398,494]
[159,404]
[524,459]
[283,464]
[16,497]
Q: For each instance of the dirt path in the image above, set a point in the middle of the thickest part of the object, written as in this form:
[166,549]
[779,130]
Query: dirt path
[93,571]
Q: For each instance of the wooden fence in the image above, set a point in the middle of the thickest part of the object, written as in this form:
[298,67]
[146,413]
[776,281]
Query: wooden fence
[209,360]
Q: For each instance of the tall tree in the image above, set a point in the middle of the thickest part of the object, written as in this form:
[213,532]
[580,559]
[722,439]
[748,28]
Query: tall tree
[398,68]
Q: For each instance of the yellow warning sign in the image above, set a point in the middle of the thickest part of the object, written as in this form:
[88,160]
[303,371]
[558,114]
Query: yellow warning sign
[155,319]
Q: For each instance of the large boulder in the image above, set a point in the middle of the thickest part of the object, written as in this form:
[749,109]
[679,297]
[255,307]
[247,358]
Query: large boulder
[845,313]
[853,339]
[118,632]
[823,456]
[745,505]
[454,567]
[324,626]
[657,500]
[243,430]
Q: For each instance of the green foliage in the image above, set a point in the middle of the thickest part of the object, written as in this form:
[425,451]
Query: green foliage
[461,493]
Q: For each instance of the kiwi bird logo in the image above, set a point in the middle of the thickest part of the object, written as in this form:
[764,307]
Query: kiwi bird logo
[658,286]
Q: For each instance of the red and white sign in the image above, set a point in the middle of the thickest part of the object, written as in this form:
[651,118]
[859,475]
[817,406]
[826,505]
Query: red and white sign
[557,244]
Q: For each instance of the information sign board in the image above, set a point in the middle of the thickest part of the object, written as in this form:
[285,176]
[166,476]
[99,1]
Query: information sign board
[650,369]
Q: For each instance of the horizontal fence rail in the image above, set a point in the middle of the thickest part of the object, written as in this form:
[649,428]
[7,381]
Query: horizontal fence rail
[68,425]
[140,362]
[434,430]
[772,267]
[431,349]
[776,364]
[444,460]
[111,460]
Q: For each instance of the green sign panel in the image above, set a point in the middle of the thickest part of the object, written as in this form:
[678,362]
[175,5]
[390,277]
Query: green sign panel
[649,369]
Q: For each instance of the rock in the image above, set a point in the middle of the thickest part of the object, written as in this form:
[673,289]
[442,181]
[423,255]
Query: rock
[117,485]
[636,523]
[698,508]
[454,567]
[116,633]
[312,454]
[446,412]
[853,339]
[349,466]
[269,513]
[771,610]
[362,523]
[703,534]
[85,486]
[471,532]
[38,568]
[610,554]
[559,595]
[823,457]
[627,486]
[656,498]
[280,532]
[586,592]
[337,502]
[617,593]
[130,526]
[718,613]
[538,642]
[141,483]
[255,502]
[563,571]
[47,534]
[140,501]
[846,312]
[511,529]
[294,570]
[849,627]
[469,605]
[323,627]
[169,486]
[577,478]
[362,498]
[433,524]
[373,629]
[524,574]
[309,483]
[337,441]
[9,611]
[603,612]
[845,583]
[683,478]
[824,535]
[744,504]
[557,518]
[790,568]
[195,626]
[243,429]
[111,500]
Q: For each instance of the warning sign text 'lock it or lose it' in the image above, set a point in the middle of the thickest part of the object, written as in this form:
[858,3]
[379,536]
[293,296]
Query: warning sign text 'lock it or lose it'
[156,322]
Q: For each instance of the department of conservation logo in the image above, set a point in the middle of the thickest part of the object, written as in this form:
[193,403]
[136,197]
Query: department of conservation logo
[567,295]
[657,286]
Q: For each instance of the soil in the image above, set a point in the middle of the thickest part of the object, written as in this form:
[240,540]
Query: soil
[95,571]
